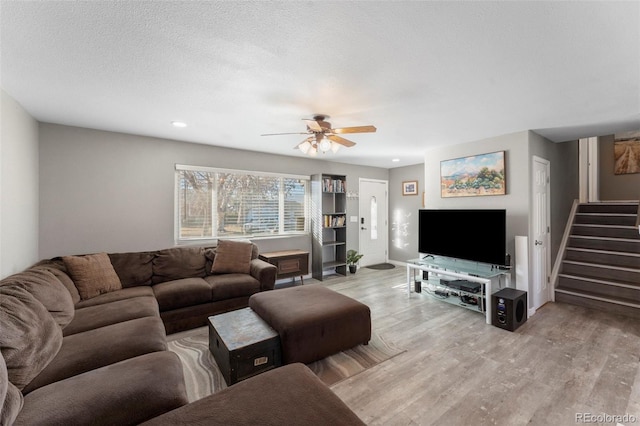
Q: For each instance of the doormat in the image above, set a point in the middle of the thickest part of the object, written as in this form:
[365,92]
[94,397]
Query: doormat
[381,266]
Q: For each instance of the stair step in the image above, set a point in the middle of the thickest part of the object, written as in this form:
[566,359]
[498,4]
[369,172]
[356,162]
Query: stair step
[607,272]
[603,257]
[603,243]
[623,219]
[625,307]
[613,231]
[618,207]
[606,288]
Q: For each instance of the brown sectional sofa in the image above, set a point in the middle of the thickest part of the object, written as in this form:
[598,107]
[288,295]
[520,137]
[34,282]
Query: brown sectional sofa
[104,360]
[180,281]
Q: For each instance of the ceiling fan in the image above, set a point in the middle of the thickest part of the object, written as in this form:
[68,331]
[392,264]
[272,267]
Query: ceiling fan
[322,137]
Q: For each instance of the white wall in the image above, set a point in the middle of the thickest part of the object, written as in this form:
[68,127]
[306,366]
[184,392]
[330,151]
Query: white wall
[403,213]
[18,187]
[114,192]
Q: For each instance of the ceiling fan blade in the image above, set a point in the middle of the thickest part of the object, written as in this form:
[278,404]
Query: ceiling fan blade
[313,125]
[341,141]
[357,129]
[278,134]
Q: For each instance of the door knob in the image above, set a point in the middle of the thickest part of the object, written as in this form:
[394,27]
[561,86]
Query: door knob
[538,243]
[363,228]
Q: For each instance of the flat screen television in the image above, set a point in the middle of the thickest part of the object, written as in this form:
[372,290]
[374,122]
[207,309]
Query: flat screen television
[477,235]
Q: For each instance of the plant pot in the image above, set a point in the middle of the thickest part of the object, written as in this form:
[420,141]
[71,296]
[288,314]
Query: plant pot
[353,268]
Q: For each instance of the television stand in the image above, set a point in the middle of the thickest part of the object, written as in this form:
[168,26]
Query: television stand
[456,269]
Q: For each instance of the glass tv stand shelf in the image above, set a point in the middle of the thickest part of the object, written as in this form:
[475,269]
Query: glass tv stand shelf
[489,277]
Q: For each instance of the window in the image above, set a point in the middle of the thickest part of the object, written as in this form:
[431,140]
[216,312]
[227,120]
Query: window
[215,203]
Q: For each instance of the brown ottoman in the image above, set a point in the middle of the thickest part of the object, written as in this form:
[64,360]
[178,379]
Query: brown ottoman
[313,321]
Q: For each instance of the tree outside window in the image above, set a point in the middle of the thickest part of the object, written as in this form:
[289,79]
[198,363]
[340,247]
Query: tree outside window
[213,204]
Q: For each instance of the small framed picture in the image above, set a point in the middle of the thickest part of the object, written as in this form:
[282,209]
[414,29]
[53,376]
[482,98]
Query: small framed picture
[410,187]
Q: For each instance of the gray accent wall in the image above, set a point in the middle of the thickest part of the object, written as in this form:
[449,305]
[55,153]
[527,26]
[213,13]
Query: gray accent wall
[18,187]
[114,192]
[519,148]
[403,213]
[516,201]
[612,186]
[564,182]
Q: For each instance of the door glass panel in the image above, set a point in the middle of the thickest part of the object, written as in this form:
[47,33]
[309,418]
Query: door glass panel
[374,218]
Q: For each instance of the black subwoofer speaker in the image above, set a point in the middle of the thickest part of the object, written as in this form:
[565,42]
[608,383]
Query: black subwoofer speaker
[509,308]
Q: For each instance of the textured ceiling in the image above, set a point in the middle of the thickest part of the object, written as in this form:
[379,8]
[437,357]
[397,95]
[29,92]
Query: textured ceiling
[424,73]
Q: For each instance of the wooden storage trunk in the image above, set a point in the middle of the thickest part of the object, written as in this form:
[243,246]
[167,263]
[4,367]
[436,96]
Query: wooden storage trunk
[243,345]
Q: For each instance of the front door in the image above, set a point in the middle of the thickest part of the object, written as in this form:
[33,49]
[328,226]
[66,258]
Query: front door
[541,258]
[374,224]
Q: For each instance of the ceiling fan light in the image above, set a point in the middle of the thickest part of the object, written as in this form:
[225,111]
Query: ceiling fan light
[335,147]
[325,145]
[304,147]
[313,151]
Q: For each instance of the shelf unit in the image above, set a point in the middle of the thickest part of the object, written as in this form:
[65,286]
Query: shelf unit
[489,277]
[458,297]
[329,225]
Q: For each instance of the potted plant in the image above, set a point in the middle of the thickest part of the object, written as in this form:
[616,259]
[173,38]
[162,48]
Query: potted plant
[352,258]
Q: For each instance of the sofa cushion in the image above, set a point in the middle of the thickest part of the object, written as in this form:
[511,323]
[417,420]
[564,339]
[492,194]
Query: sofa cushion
[111,313]
[30,337]
[289,395]
[232,257]
[179,262]
[102,346]
[227,286]
[182,293]
[133,268]
[10,397]
[48,290]
[125,293]
[125,393]
[93,274]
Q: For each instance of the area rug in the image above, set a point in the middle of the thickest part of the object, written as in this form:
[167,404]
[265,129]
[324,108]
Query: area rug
[381,266]
[202,376]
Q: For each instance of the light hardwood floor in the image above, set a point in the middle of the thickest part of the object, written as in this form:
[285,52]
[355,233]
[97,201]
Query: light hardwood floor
[458,370]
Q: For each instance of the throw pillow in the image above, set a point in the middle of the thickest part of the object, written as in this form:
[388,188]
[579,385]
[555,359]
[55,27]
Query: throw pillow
[92,274]
[232,257]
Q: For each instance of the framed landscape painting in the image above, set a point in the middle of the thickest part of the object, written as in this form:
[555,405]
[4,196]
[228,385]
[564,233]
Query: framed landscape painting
[626,153]
[473,176]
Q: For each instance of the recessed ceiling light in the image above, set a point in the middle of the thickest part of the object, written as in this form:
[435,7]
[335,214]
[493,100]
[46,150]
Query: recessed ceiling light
[179,124]
[395,160]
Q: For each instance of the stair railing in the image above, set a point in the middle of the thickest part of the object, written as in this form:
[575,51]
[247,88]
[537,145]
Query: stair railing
[563,246]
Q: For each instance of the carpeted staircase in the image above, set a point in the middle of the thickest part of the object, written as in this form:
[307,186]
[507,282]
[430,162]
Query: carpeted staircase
[601,264]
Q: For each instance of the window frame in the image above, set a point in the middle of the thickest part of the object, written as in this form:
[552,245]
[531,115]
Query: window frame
[214,238]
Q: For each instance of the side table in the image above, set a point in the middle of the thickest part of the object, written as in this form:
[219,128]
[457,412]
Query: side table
[290,263]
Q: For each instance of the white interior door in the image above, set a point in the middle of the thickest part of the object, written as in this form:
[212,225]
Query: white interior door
[541,253]
[374,223]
